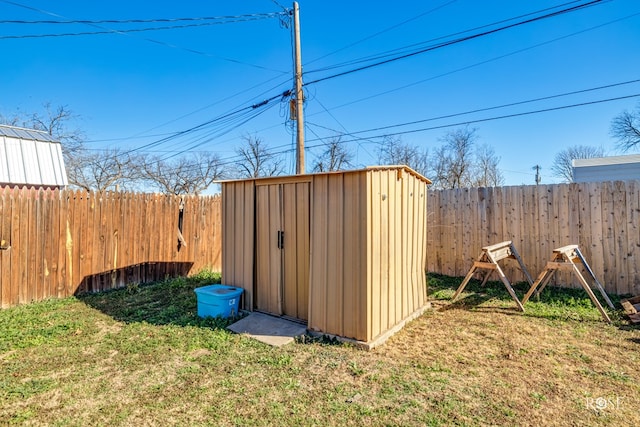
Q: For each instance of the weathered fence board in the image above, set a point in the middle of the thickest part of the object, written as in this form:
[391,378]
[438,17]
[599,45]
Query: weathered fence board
[66,242]
[602,218]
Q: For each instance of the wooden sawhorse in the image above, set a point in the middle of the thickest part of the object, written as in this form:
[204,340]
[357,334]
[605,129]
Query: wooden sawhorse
[488,260]
[565,258]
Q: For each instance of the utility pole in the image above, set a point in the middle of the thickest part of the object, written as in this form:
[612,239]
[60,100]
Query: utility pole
[299,93]
[538,177]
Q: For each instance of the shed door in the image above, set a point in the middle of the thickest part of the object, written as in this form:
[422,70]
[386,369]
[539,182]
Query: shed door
[282,249]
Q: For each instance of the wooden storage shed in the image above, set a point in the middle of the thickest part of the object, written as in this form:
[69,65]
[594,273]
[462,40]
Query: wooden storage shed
[344,252]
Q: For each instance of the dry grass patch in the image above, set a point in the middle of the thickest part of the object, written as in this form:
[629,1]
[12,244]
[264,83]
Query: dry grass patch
[121,358]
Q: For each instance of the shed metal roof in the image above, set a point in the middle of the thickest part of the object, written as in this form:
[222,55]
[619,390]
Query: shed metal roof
[21,133]
[612,168]
[309,175]
[30,157]
[607,161]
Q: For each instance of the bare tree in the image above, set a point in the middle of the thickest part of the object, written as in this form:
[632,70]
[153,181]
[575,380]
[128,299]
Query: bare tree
[335,157]
[454,160]
[458,163]
[10,120]
[395,152]
[103,170]
[56,122]
[256,160]
[487,173]
[185,175]
[625,128]
[562,166]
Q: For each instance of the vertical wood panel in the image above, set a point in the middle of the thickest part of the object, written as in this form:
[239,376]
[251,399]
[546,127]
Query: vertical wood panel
[621,247]
[584,210]
[608,237]
[6,256]
[37,242]
[435,225]
[595,256]
[633,236]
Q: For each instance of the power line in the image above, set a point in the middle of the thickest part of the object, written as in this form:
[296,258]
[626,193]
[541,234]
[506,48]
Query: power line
[129,30]
[512,104]
[506,116]
[141,135]
[320,141]
[411,47]
[280,6]
[104,30]
[209,138]
[457,70]
[457,41]
[200,126]
[231,18]
[386,30]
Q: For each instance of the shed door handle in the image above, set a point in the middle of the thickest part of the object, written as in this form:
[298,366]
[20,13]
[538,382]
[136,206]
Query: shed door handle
[280,239]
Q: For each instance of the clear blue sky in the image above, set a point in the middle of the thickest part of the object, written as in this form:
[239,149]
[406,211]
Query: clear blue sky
[133,88]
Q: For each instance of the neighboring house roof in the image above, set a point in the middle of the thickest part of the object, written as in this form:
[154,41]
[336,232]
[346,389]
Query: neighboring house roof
[30,157]
[612,168]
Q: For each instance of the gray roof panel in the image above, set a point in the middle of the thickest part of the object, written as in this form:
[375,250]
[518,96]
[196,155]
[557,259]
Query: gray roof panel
[21,133]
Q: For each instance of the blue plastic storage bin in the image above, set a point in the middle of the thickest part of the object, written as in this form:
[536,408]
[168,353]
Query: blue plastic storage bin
[218,300]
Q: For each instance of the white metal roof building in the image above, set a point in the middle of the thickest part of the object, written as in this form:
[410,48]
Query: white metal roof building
[612,168]
[30,158]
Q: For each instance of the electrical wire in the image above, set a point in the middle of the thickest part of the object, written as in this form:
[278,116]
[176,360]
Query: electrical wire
[506,116]
[209,122]
[141,135]
[232,18]
[512,104]
[319,141]
[411,47]
[457,70]
[104,30]
[456,41]
[386,30]
[125,31]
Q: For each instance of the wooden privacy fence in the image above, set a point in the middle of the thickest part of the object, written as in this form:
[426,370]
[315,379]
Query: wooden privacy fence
[64,242]
[602,218]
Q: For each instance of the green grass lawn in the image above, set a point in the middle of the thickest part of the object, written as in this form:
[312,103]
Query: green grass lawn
[141,356]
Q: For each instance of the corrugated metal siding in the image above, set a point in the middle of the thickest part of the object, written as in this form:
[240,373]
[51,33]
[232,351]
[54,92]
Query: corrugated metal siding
[397,224]
[367,249]
[25,160]
[238,217]
[338,261]
[618,172]
[613,168]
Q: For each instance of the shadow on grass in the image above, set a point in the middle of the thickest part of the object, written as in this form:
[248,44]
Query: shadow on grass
[169,302]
